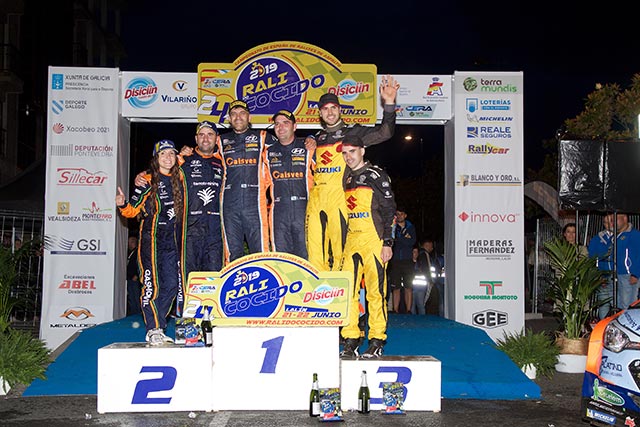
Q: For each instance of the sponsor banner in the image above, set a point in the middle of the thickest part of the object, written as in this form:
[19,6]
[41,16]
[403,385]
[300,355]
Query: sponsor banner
[159,95]
[287,75]
[488,193]
[422,98]
[79,208]
[270,289]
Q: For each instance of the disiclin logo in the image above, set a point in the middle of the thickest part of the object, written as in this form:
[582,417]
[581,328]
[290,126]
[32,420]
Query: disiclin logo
[141,92]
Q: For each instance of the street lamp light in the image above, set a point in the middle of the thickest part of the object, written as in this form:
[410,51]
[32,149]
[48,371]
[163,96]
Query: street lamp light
[421,182]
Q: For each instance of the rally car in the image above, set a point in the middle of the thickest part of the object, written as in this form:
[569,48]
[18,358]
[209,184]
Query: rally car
[611,385]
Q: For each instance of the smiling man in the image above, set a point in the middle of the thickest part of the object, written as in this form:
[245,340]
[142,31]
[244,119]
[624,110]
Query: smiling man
[370,211]
[326,211]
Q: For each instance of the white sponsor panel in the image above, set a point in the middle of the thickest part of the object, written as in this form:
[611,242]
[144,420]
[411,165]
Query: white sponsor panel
[159,95]
[422,98]
[79,208]
[489,215]
[135,377]
[277,366]
[421,377]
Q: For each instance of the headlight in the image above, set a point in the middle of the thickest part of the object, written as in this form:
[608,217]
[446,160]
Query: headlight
[614,338]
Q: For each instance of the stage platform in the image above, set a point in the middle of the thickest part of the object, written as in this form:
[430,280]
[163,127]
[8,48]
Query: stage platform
[472,368]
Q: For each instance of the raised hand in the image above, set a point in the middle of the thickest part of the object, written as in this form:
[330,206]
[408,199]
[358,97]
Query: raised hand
[389,89]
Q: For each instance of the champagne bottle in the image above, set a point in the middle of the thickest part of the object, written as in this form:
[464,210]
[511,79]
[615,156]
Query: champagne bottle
[207,327]
[314,398]
[363,395]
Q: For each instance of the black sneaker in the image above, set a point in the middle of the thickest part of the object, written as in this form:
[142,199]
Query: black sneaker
[349,349]
[375,349]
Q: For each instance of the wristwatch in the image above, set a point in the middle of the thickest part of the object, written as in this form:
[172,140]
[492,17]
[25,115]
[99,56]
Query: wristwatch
[387,242]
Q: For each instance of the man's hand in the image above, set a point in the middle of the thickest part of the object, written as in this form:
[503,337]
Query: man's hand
[186,151]
[386,254]
[633,279]
[310,143]
[140,180]
[389,89]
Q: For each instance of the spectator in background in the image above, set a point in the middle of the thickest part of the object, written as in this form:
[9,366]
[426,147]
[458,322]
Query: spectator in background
[569,234]
[133,277]
[627,262]
[431,264]
[401,265]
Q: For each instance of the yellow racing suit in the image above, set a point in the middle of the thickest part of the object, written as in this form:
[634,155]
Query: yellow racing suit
[371,210]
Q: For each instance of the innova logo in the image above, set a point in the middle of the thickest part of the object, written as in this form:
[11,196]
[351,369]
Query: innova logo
[489,217]
[141,92]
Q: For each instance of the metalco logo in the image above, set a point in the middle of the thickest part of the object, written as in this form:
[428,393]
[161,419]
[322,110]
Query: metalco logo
[489,218]
[77,313]
[490,319]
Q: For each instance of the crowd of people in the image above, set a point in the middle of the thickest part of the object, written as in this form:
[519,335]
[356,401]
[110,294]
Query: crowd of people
[247,191]
[621,265]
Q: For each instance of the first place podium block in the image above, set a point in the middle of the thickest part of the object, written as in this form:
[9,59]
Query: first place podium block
[136,377]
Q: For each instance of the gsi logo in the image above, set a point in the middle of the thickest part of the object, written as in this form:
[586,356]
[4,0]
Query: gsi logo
[490,319]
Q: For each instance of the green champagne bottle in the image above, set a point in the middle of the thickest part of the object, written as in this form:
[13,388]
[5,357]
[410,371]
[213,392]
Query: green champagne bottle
[314,398]
[207,327]
[363,395]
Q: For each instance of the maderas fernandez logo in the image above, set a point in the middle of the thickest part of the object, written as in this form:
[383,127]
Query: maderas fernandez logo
[254,291]
[141,92]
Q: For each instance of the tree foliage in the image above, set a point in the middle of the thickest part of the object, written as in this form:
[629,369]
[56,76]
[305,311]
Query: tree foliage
[610,114]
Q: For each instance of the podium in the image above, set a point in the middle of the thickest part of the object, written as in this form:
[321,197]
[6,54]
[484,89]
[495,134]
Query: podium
[277,322]
[253,369]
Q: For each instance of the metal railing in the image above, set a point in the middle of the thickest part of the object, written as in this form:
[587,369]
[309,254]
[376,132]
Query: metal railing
[23,231]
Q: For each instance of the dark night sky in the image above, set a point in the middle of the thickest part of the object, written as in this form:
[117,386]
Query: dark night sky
[561,54]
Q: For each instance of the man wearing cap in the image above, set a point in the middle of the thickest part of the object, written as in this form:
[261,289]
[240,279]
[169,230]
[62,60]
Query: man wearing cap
[289,166]
[244,198]
[203,175]
[203,172]
[370,211]
[326,211]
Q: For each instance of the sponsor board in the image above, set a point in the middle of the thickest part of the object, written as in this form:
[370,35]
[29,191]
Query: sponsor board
[270,289]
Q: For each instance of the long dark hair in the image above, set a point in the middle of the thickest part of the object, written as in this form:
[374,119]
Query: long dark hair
[176,184]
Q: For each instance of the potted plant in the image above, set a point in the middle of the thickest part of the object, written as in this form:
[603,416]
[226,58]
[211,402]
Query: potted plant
[534,353]
[572,289]
[23,358]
